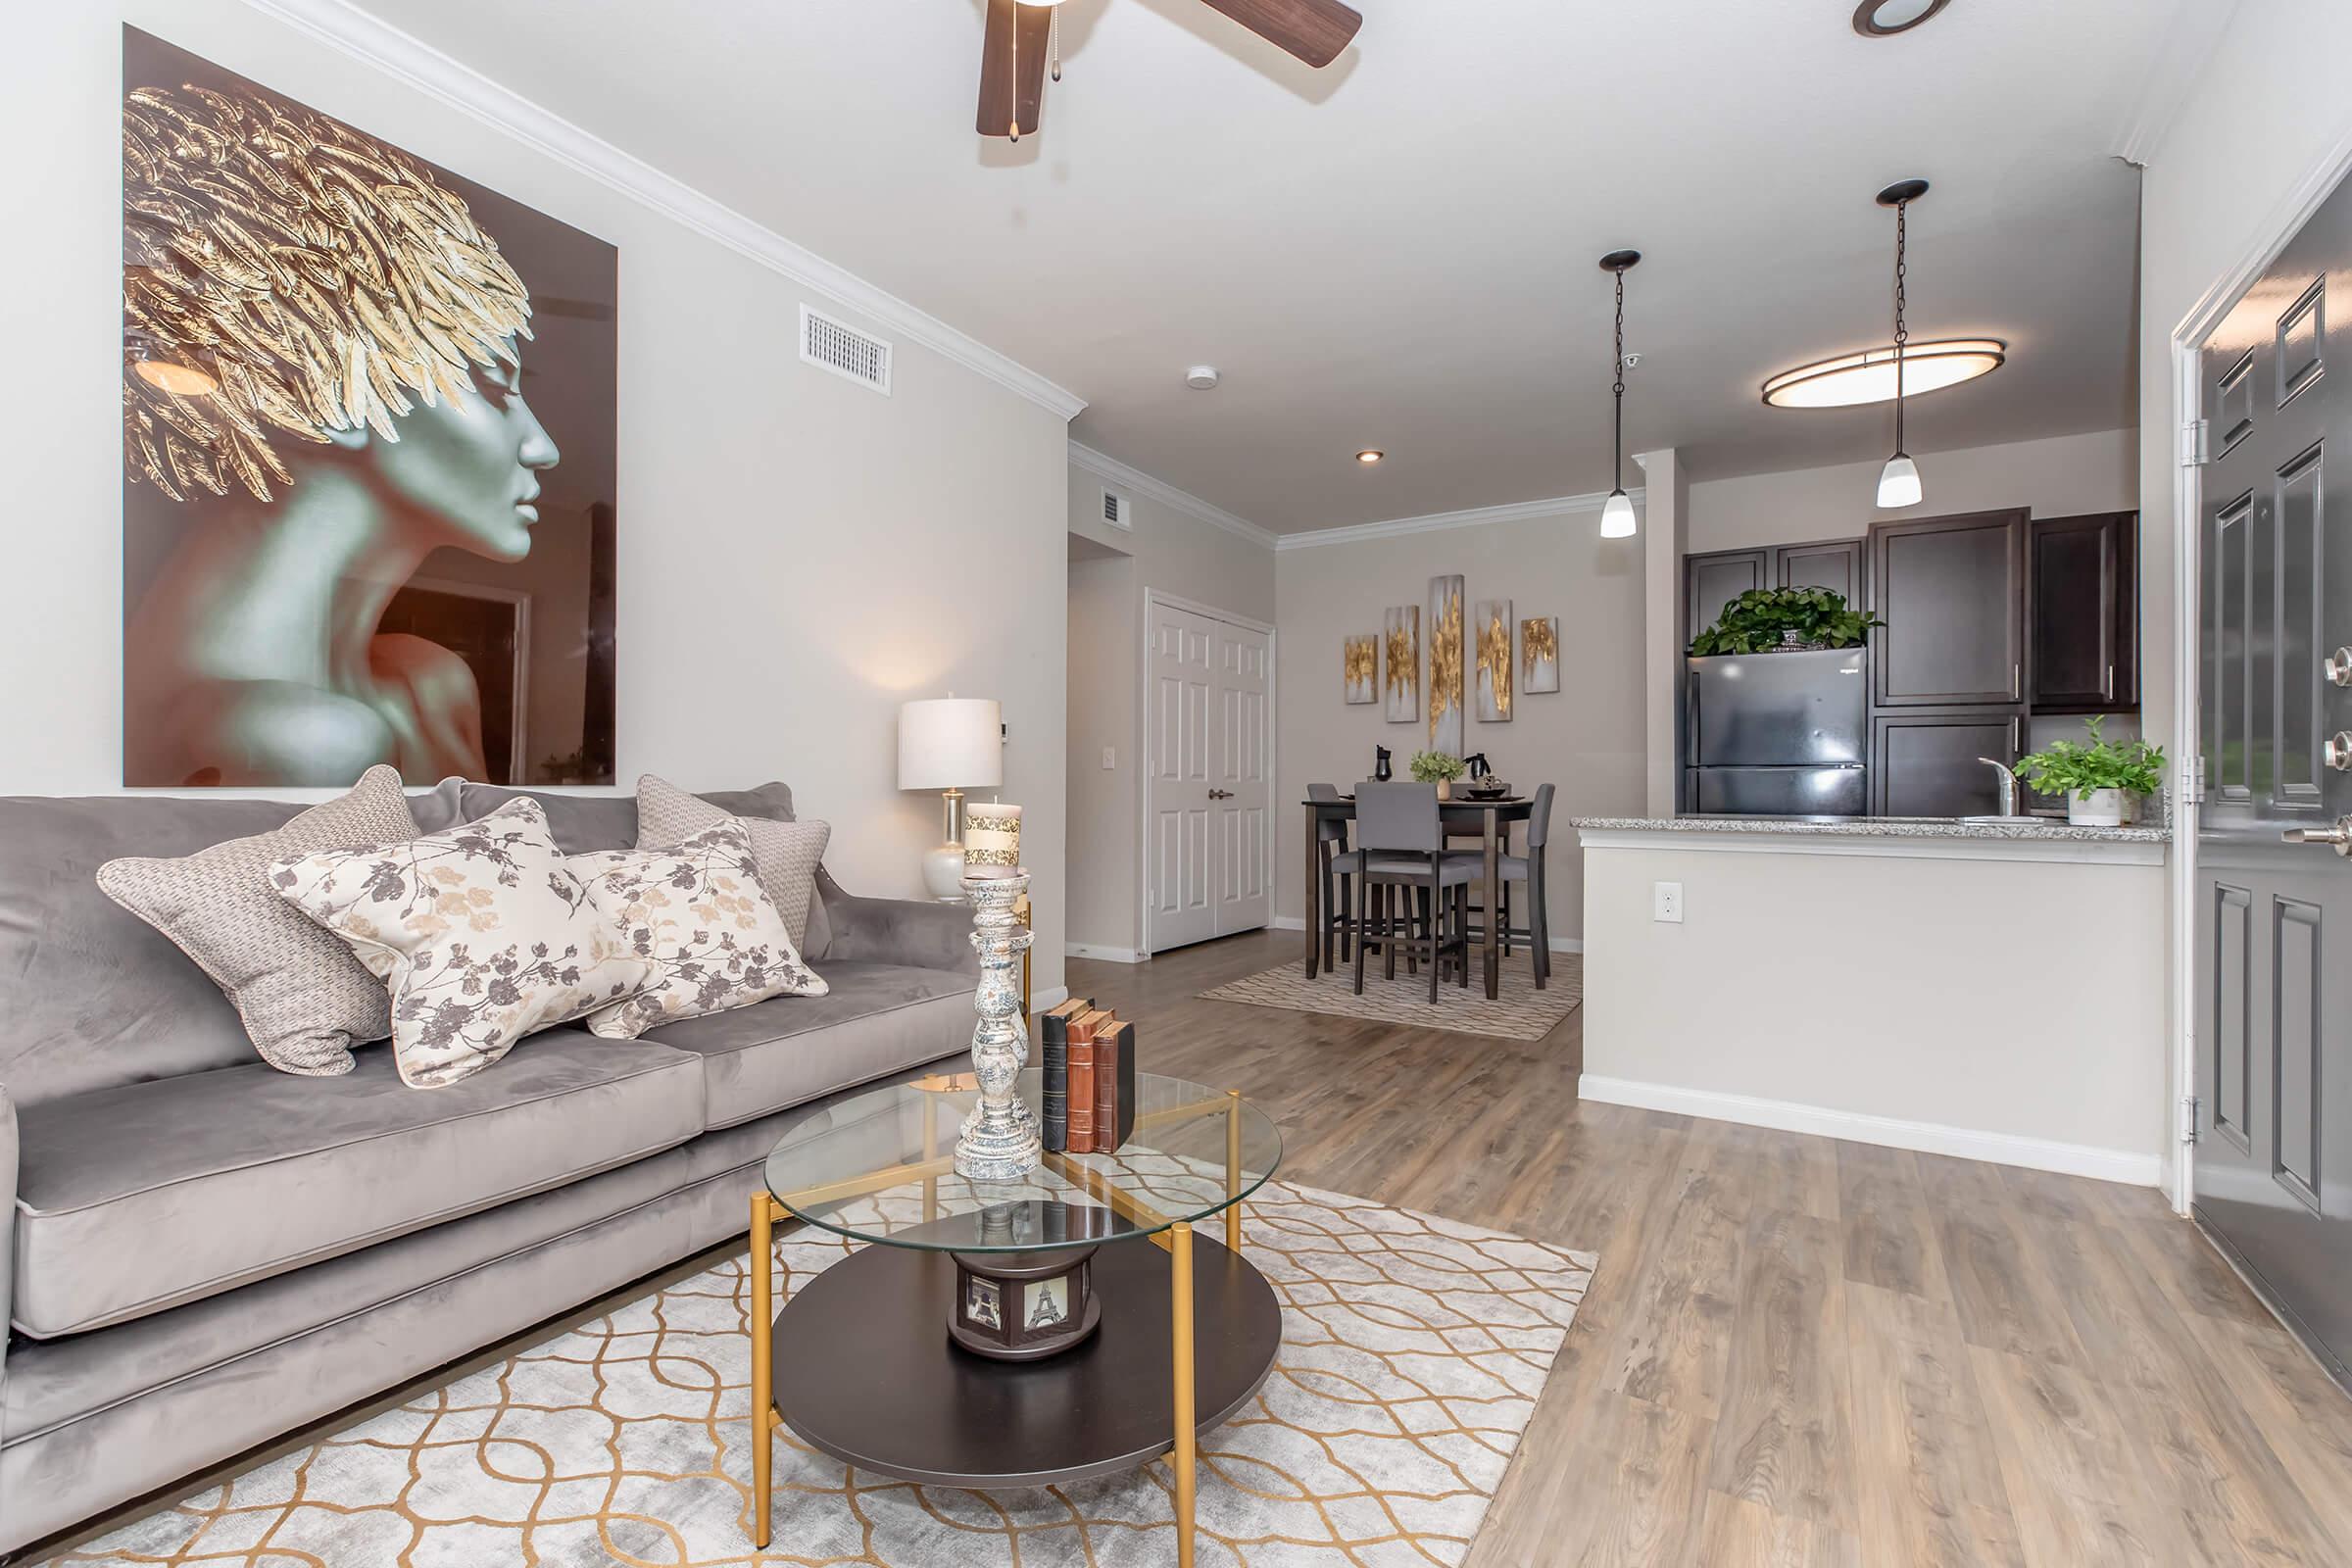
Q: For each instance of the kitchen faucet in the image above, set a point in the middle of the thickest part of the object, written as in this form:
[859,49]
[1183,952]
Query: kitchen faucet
[2008,785]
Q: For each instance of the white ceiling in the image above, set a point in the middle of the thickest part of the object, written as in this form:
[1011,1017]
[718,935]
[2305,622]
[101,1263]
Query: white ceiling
[1401,251]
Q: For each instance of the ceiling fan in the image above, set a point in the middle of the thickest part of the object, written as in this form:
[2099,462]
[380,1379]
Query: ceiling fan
[1012,61]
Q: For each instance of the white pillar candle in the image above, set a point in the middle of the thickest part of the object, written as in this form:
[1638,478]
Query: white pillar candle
[992,840]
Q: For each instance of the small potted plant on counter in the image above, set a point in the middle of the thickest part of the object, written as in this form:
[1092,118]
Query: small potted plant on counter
[1440,768]
[2095,775]
[1768,620]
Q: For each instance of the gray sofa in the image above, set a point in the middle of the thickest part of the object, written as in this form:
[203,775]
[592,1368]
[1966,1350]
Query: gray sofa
[200,1253]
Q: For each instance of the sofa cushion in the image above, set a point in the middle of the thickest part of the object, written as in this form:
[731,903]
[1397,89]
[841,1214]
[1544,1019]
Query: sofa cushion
[140,1197]
[90,995]
[876,1019]
[787,853]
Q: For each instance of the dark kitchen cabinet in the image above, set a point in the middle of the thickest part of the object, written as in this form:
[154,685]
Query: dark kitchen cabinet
[1838,564]
[2083,575]
[1928,764]
[1952,593]
[1714,579]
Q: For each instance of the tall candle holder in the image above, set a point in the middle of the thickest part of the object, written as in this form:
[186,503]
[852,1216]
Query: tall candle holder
[999,1141]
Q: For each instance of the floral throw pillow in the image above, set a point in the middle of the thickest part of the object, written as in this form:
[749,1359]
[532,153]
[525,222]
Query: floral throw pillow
[700,914]
[482,933]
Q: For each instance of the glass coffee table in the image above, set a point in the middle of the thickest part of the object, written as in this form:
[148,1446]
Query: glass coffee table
[997,1335]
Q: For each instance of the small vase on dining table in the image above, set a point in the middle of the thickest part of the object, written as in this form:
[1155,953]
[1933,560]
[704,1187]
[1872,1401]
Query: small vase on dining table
[1444,789]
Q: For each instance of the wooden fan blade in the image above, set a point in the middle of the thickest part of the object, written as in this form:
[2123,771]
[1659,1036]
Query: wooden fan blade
[1315,31]
[1012,69]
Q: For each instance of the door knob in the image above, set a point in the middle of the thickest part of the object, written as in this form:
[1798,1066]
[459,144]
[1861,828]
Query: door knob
[2339,837]
[2339,666]
[2338,749]
[1220,794]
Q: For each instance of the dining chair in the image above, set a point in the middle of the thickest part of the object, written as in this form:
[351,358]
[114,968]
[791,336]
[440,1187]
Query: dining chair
[1529,869]
[1402,856]
[1339,865]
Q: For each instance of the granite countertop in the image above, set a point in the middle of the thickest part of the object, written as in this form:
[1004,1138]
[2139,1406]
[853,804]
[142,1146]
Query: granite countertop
[2043,828]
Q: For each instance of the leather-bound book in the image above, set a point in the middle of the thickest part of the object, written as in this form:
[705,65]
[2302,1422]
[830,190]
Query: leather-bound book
[1106,1084]
[1081,1135]
[1114,1081]
[1054,1071]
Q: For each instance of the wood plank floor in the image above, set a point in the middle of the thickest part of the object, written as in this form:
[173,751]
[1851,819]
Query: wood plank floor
[1798,1351]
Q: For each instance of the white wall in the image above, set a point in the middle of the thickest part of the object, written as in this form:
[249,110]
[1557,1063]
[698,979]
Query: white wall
[1586,739]
[1927,1002]
[797,555]
[1170,550]
[2062,476]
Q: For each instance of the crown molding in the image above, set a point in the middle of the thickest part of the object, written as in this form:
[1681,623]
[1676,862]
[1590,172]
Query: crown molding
[1105,467]
[1446,522]
[344,27]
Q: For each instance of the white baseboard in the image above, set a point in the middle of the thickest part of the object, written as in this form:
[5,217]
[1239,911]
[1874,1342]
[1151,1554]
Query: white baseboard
[1051,997]
[1926,1137]
[1296,922]
[1089,950]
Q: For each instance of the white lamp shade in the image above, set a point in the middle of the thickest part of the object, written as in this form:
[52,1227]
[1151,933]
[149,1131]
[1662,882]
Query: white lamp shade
[1617,516]
[1898,482]
[950,743]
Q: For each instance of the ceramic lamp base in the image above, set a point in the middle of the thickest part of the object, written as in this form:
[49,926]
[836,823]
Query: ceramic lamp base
[942,872]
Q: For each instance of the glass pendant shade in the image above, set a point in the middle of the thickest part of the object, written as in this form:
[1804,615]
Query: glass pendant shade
[1898,482]
[1617,516]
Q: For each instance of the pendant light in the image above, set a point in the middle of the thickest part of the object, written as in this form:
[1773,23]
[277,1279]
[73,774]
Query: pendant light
[1898,481]
[1617,515]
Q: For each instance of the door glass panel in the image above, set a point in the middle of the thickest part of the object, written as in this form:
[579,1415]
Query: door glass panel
[2295,1056]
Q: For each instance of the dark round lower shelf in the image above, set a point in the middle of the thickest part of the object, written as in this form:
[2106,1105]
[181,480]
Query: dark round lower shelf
[864,1369]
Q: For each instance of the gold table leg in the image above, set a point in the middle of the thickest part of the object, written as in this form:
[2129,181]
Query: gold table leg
[763,1328]
[1181,1457]
[1233,1171]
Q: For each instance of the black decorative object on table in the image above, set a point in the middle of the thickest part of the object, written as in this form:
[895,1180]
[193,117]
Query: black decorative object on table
[1383,764]
[1024,1306]
[1478,766]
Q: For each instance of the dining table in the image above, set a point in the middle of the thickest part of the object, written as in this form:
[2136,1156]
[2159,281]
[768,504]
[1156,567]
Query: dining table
[1491,817]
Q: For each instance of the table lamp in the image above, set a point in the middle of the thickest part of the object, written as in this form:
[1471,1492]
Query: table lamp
[950,744]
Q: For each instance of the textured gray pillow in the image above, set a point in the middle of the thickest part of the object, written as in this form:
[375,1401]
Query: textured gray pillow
[303,997]
[786,853]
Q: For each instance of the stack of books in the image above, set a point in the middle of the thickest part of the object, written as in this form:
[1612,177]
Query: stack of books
[1088,1061]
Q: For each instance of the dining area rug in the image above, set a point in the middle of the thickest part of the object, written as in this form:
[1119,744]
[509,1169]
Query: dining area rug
[1413,1349]
[1519,1012]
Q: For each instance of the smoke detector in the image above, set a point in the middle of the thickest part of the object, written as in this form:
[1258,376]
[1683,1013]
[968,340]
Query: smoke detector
[1202,377]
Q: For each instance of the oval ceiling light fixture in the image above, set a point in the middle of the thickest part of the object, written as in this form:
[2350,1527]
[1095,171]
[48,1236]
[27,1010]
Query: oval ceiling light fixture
[1203,377]
[1851,379]
[1884,19]
[1370,456]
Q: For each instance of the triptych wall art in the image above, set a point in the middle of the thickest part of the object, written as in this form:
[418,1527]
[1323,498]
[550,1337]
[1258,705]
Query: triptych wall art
[369,426]
[1469,663]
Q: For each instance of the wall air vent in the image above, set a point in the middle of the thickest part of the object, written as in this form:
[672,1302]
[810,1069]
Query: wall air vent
[838,347]
[1117,510]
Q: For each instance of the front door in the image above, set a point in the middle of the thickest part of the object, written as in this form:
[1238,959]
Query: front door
[1208,851]
[2274,916]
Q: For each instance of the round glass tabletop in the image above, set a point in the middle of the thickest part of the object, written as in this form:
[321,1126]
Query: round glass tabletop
[880,1167]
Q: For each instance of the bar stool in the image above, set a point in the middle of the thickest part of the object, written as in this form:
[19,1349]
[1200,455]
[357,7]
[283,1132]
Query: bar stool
[1402,851]
[1529,869]
[1340,865]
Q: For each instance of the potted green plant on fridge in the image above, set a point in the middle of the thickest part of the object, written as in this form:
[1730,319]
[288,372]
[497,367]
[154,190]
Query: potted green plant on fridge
[1440,769]
[2095,775]
[1770,620]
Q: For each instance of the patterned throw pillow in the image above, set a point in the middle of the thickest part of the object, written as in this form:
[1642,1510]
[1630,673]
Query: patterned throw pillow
[304,999]
[700,912]
[482,933]
[787,853]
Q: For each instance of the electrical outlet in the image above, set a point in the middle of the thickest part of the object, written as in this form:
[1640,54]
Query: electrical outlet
[1666,903]
[1111,759]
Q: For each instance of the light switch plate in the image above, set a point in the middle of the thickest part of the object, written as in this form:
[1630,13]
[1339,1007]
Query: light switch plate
[1111,759]
[1666,903]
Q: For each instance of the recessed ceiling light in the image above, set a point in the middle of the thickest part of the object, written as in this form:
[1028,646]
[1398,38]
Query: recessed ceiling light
[1202,377]
[1869,376]
[1369,456]
[1884,19]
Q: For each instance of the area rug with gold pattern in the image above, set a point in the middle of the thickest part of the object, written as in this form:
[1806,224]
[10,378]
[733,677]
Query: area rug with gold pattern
[1412,1352]
[1519,1012]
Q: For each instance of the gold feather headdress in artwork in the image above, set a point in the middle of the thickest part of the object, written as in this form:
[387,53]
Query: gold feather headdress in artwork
[284,275]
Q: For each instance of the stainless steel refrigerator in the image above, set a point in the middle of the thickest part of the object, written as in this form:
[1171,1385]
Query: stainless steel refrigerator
[1778,734]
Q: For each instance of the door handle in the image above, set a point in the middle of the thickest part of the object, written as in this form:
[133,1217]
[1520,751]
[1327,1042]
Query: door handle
[2015,681]
[2338,838]
[2338,666]
[1220,794]
[2338,751]
[2108,691]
